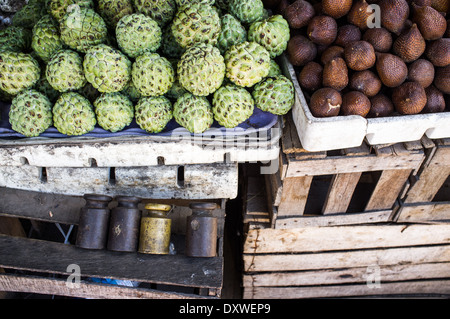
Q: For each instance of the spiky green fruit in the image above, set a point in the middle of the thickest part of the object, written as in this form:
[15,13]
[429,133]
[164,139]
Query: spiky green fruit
[162,11]
[113,10]
[18,72]
[196,24]
[274,95]
[46,39]
[201,69]
[73,114]
[58,8]
[29,14]
[114,111]
[15,39]
[247,63]
[152,74]
[137,33]
[153,113]
[193,112]
[30,113]
[232,105]
[247,11]
[232,32]
[107,69]
[272,33]
[82,28]
[64,71]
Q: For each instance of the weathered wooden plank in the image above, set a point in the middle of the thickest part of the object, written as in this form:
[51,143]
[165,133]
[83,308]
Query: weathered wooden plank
[27,254]
[338,219]
[432,177]
[345,164]
[388,189]
[209,181]
[424,213]
[294,196]
[413,288]
[348,275]
[316,239]
[51,286]
[40,206]
[340,192]
[346,259]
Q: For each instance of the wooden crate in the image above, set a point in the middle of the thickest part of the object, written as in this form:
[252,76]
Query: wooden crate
[428,197]
[350,186]
[347,261]
[43,263]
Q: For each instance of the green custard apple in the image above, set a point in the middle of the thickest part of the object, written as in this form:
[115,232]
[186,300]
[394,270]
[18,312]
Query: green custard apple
[153,113]
[46,39]
[274,95]
[232,32]
[73,114]
[162,11]
[247,11]
[30,113]
[58,8]
[272,33]
[15,39]
[201,69]
[18,72]
[247,63]
[64,71]
[232,105]
[113,10]
[106,68]
[82,28]
[137,33]
[114,111]
[196,23]
[193,113]
[29,14]
[152,74]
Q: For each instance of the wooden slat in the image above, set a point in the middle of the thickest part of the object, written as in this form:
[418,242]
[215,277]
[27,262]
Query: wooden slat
[49,286]
[340,192]
[51,257]
[433,287]
[431,178]
[339,219]
[294,196]
[388,188]
[346,276]
[424,213]
[317,239]
[347,259]
[345,164]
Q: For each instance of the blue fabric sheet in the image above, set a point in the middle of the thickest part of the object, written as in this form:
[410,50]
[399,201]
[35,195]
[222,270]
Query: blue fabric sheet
[259,121]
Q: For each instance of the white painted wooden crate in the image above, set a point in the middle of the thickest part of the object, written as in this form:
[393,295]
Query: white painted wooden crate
[323,134]
[135,151]
[203,181]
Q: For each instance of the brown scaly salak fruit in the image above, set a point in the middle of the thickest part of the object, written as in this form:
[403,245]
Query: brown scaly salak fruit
[391,69]
[409,98]
[336,8]
[410,45]
[394,14]
[355,103]
[325,102]
[430,22]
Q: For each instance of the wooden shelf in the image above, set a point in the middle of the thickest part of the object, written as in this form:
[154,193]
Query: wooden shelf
[52,257]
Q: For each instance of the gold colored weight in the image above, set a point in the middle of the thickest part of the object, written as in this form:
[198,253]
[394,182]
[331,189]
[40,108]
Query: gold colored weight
[155,230]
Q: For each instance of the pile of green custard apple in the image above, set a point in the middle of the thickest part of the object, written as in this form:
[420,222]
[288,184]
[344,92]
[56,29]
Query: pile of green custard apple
[75,64]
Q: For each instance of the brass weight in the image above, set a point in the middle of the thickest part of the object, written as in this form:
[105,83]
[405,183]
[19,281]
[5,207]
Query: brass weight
[155,229]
